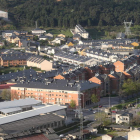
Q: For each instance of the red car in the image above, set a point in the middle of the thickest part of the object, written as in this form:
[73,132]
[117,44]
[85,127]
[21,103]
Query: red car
[113,111]
[100,106]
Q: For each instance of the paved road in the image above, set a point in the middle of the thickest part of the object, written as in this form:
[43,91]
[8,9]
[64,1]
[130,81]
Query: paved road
[88,115]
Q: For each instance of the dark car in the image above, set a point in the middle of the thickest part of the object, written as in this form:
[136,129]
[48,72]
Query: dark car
[90,109]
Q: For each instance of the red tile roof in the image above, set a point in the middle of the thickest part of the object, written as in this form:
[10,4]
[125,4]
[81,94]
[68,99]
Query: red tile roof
[6,86]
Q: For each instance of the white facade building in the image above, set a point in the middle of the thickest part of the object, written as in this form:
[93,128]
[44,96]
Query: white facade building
[81,31]
[123,117]
[38,62]
[3,14]
[38,31]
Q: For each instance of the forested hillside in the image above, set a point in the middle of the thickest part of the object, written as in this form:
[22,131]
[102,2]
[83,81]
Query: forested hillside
[67,13]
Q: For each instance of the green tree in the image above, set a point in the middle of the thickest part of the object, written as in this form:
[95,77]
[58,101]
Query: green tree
[94,98]
[72,104]
[89,22]
[128,87]
[6,94]
[35,38]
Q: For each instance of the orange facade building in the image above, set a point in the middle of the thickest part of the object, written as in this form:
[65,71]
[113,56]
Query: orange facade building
[56,91]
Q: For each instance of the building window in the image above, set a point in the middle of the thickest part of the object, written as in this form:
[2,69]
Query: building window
[58,123]
[55,123]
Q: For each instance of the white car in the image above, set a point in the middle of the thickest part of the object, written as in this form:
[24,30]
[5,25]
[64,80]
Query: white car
[94,111]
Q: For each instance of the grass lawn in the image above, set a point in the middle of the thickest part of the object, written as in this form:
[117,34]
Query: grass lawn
[95,138]
[56,31]
[95,34]
[131,101]
[110,132]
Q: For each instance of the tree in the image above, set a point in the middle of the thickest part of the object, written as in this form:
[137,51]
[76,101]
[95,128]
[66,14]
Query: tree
[72,104]
[14,95]
[89,22]
[6,94]
[94,98]
[35,38]
[129,87]
[100,117]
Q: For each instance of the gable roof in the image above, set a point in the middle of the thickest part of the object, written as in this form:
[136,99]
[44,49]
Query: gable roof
[59,77]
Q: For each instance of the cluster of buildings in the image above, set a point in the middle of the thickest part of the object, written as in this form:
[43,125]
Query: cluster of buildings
[88,57]
[103,71]
[79,67]
[60,86]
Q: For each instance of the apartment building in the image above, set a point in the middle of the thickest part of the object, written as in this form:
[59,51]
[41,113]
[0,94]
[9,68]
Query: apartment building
[14,59]
[116,81]
[39,62]
[57,91]
[3,14]
[93,70]
[74,74]
[104,81]
[126,64]
[107,68]
[111,43]
[102,55]
[81,31]
[75,59]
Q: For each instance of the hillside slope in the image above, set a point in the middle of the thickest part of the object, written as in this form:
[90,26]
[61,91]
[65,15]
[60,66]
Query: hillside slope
[67,13]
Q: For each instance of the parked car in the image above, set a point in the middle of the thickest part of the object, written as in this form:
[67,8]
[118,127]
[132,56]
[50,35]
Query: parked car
[113,111]
[100,106]
[90,109]
[94,111]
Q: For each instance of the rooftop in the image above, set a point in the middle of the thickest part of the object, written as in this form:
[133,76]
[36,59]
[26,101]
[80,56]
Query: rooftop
[30,113]
[56,84]
[18,103]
